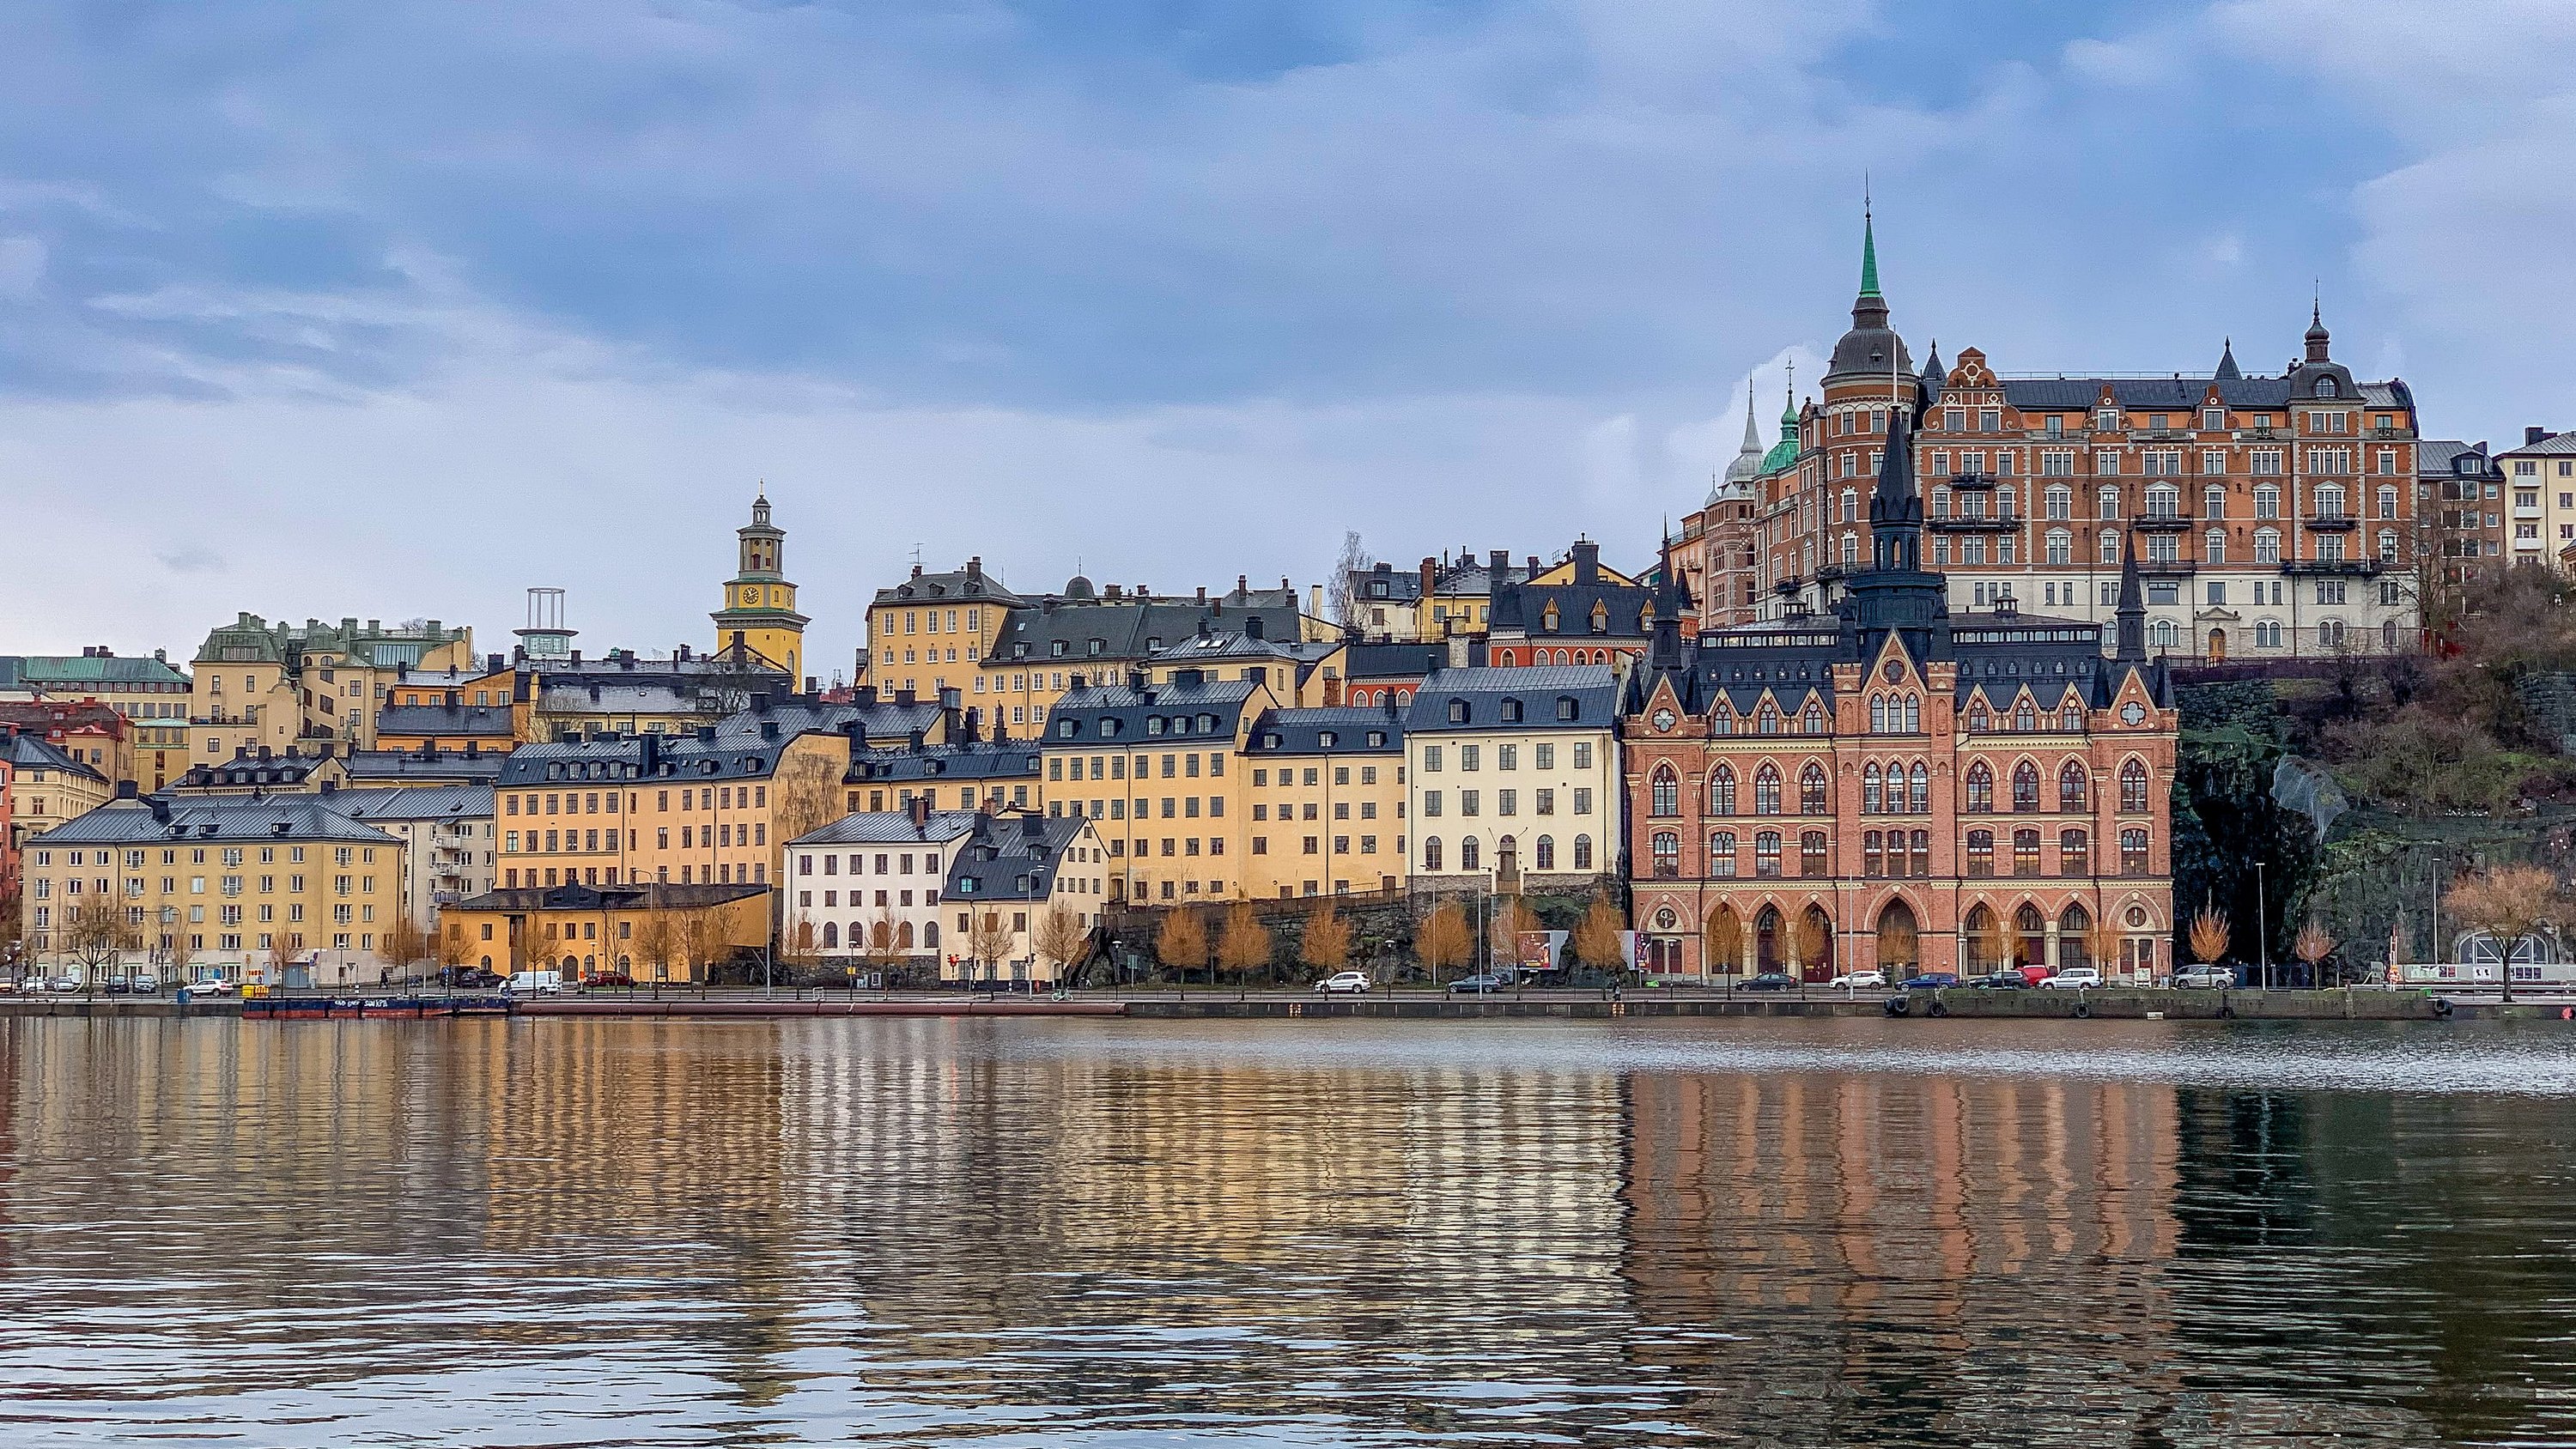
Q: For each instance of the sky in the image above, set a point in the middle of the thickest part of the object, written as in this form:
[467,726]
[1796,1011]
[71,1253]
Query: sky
[395,310]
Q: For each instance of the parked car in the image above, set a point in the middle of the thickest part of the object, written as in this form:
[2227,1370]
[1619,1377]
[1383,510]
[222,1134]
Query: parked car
[2204,978]
[1770,981]
[1999,981]
[2074,978]
[116,985]
[1867,978]
[468,978]
[1480,983]
[64,983]
[607,978]
[1930,981]
[147,985]
[1354,982]
[213,986]
[535,983]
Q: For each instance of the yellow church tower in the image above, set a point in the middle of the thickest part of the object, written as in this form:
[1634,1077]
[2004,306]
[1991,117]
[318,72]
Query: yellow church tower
[759,612]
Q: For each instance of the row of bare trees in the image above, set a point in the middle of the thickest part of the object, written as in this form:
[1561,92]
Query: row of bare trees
[2505,903]
[1442,940]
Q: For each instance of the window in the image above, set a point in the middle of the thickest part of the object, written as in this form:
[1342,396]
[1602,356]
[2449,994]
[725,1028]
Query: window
[1870,798]
[2025,785]
[1546,850]
[2108,505]
[2267,500]
[1667,792]
[2072,783]
[1766,854]
[1766,791]
[2074,853]
[2267,545]
[1981,853]
[2061,546]
[1668,854]
[1721,853]
[2133,786]
[1981,788]
[1811,791]
[1721,791]
[2133,852]
[1811,854]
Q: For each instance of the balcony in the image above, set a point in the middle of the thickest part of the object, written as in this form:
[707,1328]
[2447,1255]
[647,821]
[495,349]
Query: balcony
[1977,523]
[2333,523]
[2167,568]
[1972,482]
[2347,568]
[1789,585]
[2162,522]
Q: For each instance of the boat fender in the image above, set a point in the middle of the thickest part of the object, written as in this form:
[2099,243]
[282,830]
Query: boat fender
[2083,1011]
[1897,1006]
[2226,1012]
[1936,1008]
[2441,1007]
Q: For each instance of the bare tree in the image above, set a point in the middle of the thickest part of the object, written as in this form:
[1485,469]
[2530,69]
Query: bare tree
[1721,946]
[1339,592]
[704,942]
[988,940]
[1061,938]
[2506,903]
[97,938]
[1808,942]
[882,952]
[2313,945]
[2209,935]
[178,957]
[404,945]
[658,944]
[1597,941]
[805,796]
[1503,931]
[281,958]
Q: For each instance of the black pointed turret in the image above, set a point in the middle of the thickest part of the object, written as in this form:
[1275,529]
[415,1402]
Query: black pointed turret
[2227,369]
[2318,339]
[2131,615]
[1895,508]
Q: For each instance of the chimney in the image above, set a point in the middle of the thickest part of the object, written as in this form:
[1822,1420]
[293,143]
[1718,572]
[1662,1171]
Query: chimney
[160,809]
[2536,435]
[706,734]
[1202,593]
[1315,600]
[809,685]
[1533,571]
[918,807]
[1243,586]
[683,653]
[975,567]
[760,701]
[1252,626]
[492,663]
[769,729]
[127,790]
[867,695]
[264,755]
[1115,591]
[1587,562]
[914,740]
[1430,574]
[1499,563]
[904,696]
[1136,680]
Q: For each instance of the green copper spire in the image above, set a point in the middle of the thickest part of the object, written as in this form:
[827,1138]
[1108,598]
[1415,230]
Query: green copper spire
[1868,255]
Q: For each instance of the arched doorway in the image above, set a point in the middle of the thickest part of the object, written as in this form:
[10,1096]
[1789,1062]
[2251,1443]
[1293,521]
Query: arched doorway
[2217,644]
[1721,947]
[1815,944]
[1981,942]
[1766,940]
[1900,941]
[2075,938]
[2030,937]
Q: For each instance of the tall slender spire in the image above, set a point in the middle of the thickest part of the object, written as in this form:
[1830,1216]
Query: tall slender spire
[1895,508]
[2131,613]
[1868,253]
[1752,435]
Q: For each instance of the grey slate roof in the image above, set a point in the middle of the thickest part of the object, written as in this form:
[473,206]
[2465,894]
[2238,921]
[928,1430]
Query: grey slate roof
[415,802]
[1383,660]
[74,672]
[223,820]
[1207,712]
[678,759]
[30,752]
[1017,761]
[438,719]
[1011,858]
[1354,731]
[2559,445]
[885,719]
[1592,688]
[2181,394]
[648,895]
[446,764]
[891,827]
[970,585]
[1092,634]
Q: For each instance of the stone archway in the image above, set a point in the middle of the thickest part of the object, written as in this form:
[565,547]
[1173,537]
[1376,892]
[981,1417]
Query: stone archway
[1815,944]
[1769,940]
[2217,645]
[1981,943]
[1722,942]
[1900,940]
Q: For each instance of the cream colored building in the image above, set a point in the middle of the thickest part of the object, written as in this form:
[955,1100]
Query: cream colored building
[1514,770]
[316,687]
[2539,497]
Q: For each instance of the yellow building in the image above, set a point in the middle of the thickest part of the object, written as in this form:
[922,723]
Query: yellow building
[317,687]
[1325,795]
[1302,673]
[707,808]
[151,695]
[1044,646]
[933,631]
[1159,772]
[759,614]
[46,787]
[281,888]
[649,933]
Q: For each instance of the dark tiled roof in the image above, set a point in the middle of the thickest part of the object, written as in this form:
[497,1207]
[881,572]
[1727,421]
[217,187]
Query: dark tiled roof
[885,719]
[400,765]
[1207,712]
[220,819]
[890,827]
[680,759]
[1522,609]
[492,721]
[1592,688]
[27,752]
[945,762]
[1092,634]
[1302,731]
[2557,446]
[2182,394]
[1382,660]
[957,586]
[415,802]
[1012,858]
[73,671]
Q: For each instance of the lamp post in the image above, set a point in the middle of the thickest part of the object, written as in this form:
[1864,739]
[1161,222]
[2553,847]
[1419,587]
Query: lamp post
[2262,930]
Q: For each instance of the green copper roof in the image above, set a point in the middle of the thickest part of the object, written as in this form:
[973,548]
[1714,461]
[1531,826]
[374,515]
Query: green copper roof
[1868,257]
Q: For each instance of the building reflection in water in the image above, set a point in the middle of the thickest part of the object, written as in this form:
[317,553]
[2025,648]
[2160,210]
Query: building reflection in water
[901,1230]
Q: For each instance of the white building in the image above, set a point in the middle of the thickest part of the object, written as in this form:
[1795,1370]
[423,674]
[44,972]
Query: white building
[1517,768]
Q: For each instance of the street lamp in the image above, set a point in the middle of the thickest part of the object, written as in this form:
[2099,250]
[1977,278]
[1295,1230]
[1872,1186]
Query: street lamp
[2262,930]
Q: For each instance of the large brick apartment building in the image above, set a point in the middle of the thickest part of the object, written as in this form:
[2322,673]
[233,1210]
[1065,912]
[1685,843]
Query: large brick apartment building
[2271,515]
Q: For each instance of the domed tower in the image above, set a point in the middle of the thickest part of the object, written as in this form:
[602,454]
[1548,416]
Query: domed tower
[759,612]
[1870,358]
[1738,482]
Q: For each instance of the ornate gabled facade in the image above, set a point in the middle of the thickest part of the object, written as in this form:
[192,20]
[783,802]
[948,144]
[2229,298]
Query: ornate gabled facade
[2272,516]
[1894,784]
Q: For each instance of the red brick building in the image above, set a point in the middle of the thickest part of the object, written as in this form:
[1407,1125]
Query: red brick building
[2271,515]
[1904,786]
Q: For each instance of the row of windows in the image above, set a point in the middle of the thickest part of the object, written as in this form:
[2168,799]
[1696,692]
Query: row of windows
[230,855]
[1184,766]
[1506,802]
[225,915]
[1342,774]
[1313,845]
[1894,790]
[721,873]
[1471,853]
[1506,757]
[1895,853]
[1341,810]
[230,885]
[596,802]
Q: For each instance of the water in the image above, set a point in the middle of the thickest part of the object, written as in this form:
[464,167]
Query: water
[1105,1233]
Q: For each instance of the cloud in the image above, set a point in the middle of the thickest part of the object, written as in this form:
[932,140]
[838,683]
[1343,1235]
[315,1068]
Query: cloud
[191,560]
[22,266]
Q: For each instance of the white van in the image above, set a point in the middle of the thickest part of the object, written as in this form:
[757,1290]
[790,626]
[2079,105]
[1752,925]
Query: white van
[535,983]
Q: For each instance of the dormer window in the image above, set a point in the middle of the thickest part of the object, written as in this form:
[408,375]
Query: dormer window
[1457,711]
[1154,725]
[1600,617]
[1549,619]
[1056,649]
[1511,711]
[1326,739]
[2326,387]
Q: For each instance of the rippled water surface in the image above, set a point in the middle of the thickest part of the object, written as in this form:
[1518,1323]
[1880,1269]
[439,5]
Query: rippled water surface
[1110,1233]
